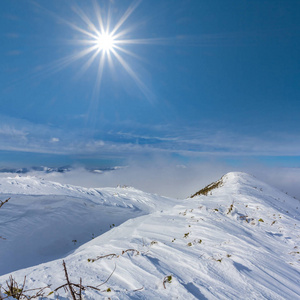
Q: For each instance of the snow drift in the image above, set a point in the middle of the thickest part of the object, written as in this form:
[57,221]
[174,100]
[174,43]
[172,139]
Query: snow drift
[239,240]
[46,220]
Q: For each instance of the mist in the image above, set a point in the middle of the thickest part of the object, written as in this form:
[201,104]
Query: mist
[168,178]
[285,179]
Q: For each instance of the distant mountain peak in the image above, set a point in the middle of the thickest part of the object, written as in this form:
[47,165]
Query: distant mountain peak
[228,178]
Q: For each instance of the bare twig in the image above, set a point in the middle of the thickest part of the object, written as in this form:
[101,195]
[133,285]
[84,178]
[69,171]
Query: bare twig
[138,289]
[40,293]
[108,276]
[103,256]
[68,281]
[112,255]
[65,286]
[80,289]
[132,250]
[70,286]
[3,202]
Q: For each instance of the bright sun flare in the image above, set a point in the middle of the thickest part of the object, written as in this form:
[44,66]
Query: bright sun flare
[100,42]
[105,42]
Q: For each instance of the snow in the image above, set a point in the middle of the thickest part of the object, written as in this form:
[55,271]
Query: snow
[241,241]
[43,218]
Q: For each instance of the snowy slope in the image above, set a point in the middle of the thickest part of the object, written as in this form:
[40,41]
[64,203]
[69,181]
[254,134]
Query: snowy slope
[45,220]
[241,241]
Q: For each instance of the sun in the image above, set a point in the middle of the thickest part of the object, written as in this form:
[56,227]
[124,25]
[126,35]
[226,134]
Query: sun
[105,42]
[100,41]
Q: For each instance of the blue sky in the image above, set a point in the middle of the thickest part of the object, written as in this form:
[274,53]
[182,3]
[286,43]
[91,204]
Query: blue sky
[205,80]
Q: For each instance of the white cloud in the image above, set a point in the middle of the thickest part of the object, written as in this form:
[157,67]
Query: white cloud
[285,179]
[55,140]
[11,131]
[162,176]
[157,176]
[191,142]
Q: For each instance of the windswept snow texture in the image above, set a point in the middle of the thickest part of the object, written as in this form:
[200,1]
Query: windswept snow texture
[241,241]
[46,220]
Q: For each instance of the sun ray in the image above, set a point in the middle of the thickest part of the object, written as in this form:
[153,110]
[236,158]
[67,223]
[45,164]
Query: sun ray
[100,71]
[126,15]
[142,41]
[93,107]
[87,65]
[67,60]
[83,42]
[77,28]
[81,54]
[64,21]
[124,32]
[108,20]
[128,52]
[104,41]
[109,59]
[133,75]
[85,18]
[99,17]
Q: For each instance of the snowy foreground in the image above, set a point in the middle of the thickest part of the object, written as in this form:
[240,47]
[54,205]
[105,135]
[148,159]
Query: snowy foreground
[240,241]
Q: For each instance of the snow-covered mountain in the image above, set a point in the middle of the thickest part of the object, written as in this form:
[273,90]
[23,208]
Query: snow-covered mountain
[237,239]
[45,220]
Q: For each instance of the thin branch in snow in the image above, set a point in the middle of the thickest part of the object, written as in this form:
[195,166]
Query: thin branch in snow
[3,202]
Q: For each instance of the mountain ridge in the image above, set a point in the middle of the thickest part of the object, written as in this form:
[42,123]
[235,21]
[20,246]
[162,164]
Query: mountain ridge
[240,241]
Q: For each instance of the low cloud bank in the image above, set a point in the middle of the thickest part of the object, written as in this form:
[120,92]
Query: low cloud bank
[171,179]
[285,179]
[156,176]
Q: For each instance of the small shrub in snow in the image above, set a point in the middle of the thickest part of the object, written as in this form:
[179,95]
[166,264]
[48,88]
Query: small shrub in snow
[18,292]
[230,209]
[14,292]
[167,279]
[260,220]
[209,188]
[76,289]
[216,259]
